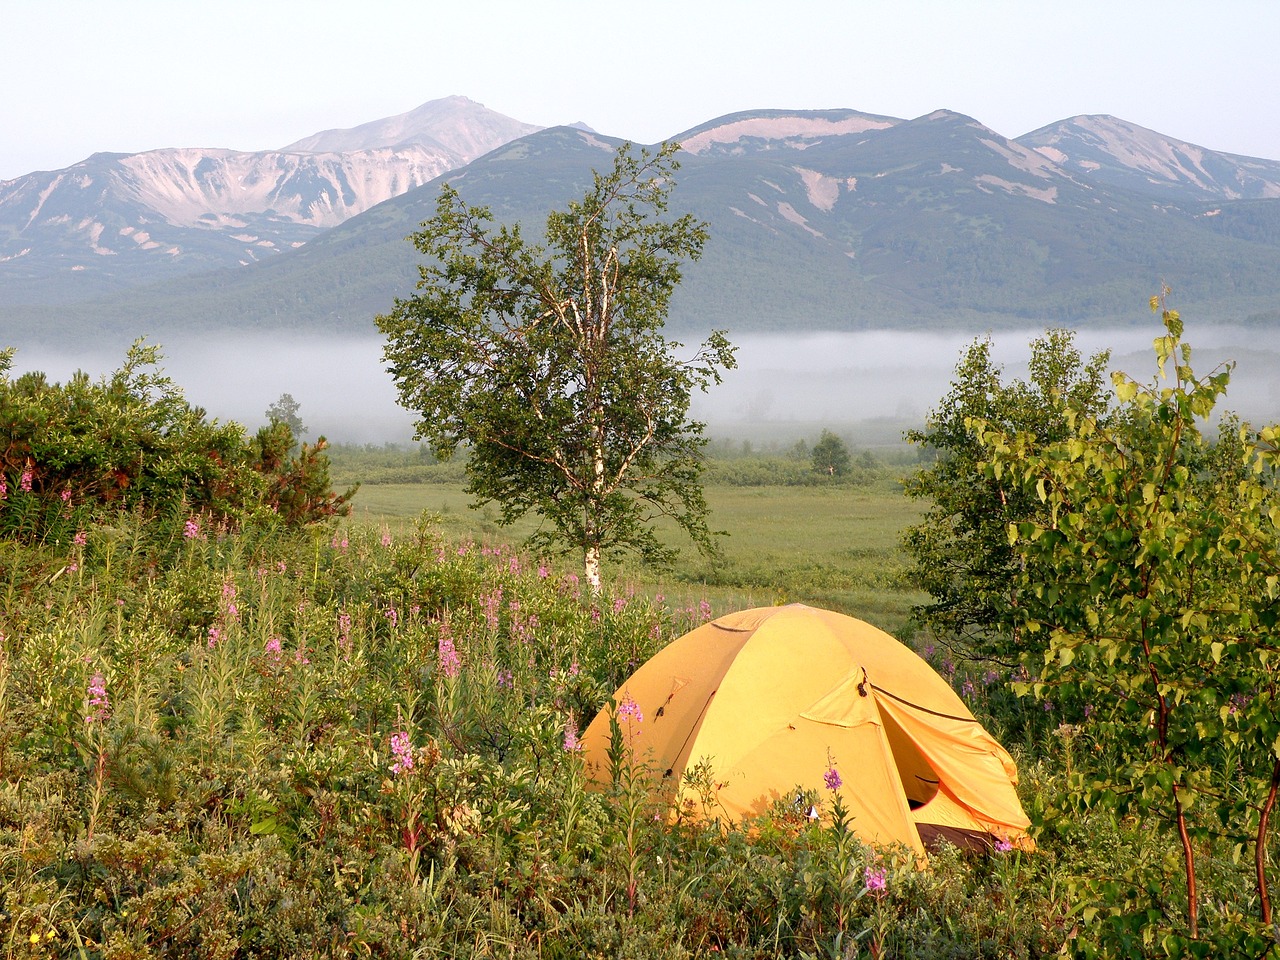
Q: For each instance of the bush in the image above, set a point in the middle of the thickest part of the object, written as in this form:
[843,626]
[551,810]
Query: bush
[131,443]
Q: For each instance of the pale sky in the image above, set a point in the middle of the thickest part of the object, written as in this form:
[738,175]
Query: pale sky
[82,76]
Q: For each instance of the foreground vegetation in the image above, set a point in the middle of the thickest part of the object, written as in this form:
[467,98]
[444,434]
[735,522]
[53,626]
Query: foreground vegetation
[267,735]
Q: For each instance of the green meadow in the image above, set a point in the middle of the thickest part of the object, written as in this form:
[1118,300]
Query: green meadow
[828,544]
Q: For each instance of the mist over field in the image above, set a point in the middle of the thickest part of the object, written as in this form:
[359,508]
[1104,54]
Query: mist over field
[868,386]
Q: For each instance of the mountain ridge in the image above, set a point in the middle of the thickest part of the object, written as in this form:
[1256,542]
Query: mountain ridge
[823,219]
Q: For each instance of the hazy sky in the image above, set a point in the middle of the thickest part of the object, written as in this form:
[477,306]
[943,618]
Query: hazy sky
[81,76]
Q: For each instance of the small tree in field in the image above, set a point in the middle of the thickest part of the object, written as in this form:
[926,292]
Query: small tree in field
[830,455]
[550,364]
[285,410]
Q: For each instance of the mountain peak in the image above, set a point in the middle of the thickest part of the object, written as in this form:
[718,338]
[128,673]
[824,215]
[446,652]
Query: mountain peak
[457,124]
[1103,148]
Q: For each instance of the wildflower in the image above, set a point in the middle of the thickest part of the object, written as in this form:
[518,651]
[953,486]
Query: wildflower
[967,689]
[876,880]
[4,489]
[543,572]
[24,483]
[65,495]
[80,539]
[386,537]
[273,649]
[402,750]
[492,603]
[450,662]
[191,529]
[571,741]
[505,679]
[629,710]
[832,779]
[392,615]
[619,604]
[1003,845]
[215,634]
[99,702]
[574,669]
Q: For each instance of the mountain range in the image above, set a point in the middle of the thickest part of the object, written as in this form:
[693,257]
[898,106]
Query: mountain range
[819,219]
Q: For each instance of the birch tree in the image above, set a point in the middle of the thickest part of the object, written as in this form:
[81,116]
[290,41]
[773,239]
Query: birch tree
[548,362]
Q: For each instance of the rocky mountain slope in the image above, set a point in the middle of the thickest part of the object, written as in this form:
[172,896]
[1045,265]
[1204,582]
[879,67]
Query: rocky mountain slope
[1102,149]
[117,220]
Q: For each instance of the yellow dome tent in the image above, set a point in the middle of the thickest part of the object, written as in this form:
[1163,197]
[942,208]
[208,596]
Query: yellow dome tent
[772,698]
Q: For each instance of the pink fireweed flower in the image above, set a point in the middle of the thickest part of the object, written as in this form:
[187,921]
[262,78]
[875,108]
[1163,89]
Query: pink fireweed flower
[215,634]
[619,604]
[571,741]
[629,711]
[4,489]
[65,495]
[99,703]
[543,572]
[80,539]
[450,662]
[24,482]
[191,529]
[273,649]
[1003,845]
[832,779]
[402,750]
[876,880]
[386,537]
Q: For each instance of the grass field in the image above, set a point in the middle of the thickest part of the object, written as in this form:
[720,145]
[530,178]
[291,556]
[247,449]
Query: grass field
[834,547]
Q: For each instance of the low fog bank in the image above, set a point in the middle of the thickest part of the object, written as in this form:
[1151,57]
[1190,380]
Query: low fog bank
[865,385]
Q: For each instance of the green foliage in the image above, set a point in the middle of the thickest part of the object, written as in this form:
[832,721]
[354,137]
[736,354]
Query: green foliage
[551,365]
[285,410]
[830,455]
[960,548]
[1149,579]
[131,443]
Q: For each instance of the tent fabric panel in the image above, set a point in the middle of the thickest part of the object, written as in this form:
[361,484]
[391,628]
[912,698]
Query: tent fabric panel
[847,704]
[889,662]
[797,757]
[787,664]
[972,767]
[672,690]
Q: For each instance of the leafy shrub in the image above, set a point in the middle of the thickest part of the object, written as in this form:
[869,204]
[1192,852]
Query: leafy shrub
[131,442]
